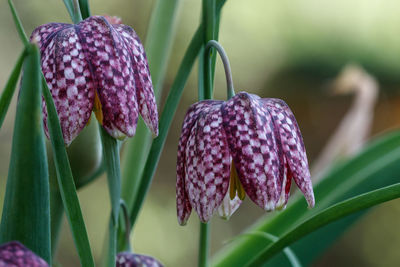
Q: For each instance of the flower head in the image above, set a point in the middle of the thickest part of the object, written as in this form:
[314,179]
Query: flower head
[15,254]
[96,66]
[128,259]
[246,145]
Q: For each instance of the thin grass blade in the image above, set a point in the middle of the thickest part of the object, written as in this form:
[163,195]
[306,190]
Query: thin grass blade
[66,182]
[9,89]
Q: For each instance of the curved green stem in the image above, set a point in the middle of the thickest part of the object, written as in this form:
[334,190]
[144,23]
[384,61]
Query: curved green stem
[225,60]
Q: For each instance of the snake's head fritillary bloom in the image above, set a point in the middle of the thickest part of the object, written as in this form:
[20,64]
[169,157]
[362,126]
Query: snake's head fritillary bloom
[244,146]
[128,259]
[96,66]
[15,254]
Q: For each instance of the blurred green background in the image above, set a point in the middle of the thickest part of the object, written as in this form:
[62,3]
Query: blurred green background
[289,49]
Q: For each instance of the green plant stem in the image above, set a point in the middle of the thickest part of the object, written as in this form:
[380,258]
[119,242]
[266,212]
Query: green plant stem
[158,45]
[84,8]
[204,244]
[9,89]
[209,19]
[73,10]
[230,91]
[112,162]
[327,216]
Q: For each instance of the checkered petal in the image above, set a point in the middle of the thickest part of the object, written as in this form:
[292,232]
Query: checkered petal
[182,202]
[254,148]
[207,163]
[111,66]
[287,129]
[68,77]
[128,259]
[144,86]
[43,34]
[17,255]
[228,206]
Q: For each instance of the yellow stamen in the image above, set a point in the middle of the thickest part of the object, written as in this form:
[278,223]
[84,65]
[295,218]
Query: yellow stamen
[235,184]
[97,108]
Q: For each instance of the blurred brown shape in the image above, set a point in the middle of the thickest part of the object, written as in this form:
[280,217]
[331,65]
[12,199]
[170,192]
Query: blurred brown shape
[353,130]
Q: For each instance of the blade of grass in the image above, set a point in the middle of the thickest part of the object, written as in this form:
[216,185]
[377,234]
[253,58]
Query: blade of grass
[9,89]
[376,166]
[111,160]
[158,45]
[26,208]
[327,216]
[167,115]
[66,182]
[18,24]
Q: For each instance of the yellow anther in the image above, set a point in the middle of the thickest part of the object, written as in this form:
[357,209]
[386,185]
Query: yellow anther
[235,184]
[97,108]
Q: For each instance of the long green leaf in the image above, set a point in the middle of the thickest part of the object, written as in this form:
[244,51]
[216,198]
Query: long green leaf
[66,182]
[26,210]
[8,92]
[165,121]
[375,167]
[290,255]
[158,45]
[167,115]
[112,162]
[327,216]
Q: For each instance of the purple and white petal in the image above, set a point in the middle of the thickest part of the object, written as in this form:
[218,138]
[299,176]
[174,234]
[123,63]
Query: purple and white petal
[228,206]
[43,34]
[208,164]
[128,259]
[182,202]
[68,77]
[111,63]
[144,87]
[292,145]
[15,254]
[254,148]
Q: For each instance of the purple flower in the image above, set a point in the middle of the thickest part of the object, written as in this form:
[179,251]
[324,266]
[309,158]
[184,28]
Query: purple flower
[15,254]
[96,66]
[246,145]
[127,259]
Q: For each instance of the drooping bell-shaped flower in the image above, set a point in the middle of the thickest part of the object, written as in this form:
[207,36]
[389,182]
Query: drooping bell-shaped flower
[96,66]
[128,259]
[244,146]
[15,254]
